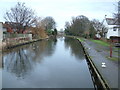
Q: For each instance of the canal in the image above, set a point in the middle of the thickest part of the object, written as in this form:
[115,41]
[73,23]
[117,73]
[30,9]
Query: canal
[52,63]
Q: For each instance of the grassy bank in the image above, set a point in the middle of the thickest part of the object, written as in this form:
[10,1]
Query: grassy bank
[113,58]
[103,43]
[81,39]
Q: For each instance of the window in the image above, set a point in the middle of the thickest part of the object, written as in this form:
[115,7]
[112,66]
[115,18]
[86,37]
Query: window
[114,29]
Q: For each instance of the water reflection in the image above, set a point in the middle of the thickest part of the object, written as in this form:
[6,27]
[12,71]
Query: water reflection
[22,61]
[47,64]
[75,47]
[18,63]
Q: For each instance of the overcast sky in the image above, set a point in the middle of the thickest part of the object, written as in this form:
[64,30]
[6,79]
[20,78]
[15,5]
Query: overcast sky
[63,10]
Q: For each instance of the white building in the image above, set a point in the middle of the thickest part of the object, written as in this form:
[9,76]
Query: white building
[113,28]
[1,31]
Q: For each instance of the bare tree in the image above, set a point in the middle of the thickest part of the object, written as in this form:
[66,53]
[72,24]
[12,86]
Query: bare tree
[39,30]
[100,28]
[49,23]
[20,17]
[117,14]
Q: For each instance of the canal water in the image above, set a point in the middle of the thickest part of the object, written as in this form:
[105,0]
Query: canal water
[53,63]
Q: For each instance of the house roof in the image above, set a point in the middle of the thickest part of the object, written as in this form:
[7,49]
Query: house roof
[112,21]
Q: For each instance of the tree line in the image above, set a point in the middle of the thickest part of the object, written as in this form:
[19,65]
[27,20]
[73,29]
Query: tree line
[19,18]
[83,27]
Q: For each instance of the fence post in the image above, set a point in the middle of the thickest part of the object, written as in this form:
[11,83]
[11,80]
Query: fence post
[110,49]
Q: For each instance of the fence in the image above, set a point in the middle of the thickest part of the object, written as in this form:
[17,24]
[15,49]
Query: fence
[6,36]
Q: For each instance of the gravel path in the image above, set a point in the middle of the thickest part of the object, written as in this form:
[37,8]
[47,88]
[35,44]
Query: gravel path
[98,55]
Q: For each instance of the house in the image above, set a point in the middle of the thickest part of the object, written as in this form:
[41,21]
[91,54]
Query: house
[113,27]
[10,26]
[2,30]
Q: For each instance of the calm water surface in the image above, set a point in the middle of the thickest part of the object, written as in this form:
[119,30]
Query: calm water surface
[54,63]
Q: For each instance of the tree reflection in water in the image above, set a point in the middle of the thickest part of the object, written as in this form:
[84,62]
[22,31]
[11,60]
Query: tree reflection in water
[18,63]
[75,47]
[21,61]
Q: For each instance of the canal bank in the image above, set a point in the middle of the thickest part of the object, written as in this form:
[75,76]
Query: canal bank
[110,72]
[5,46]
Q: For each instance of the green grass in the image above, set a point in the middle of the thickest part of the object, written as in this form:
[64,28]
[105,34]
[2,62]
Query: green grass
[101,42]
[76,37]
[81,39]
[112,58]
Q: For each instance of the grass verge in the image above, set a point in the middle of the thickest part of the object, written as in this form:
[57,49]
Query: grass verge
[112,58]
[81,39]
[101,42]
